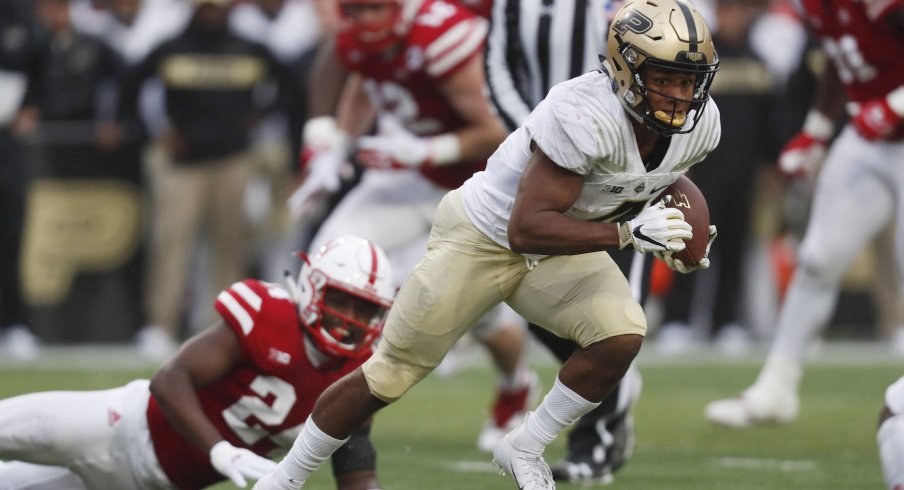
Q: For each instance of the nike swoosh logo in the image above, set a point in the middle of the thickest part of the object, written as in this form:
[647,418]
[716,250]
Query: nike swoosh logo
[639,234]
[657,189]
[295,482]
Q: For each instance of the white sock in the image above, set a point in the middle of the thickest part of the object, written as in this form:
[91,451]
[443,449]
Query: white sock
[891,450]
[560,408]
[311,448]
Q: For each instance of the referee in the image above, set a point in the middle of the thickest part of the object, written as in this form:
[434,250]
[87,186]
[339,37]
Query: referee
[533,45]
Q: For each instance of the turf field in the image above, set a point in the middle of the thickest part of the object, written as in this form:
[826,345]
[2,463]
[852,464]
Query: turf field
[426,441]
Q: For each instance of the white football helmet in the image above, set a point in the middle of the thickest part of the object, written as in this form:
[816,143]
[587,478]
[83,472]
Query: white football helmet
[356,273]
[669,35]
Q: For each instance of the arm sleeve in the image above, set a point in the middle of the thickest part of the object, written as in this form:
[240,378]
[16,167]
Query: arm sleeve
[505,68]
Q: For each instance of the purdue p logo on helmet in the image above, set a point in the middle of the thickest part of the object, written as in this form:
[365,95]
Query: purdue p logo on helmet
[669,35]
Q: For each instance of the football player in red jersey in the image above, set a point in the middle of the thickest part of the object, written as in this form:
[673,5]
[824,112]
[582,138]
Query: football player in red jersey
[859,189]
[417,68]
[233,395]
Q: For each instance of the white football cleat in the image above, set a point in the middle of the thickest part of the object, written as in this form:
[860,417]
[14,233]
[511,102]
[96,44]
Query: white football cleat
[529,470]
[20,344]
[758,405]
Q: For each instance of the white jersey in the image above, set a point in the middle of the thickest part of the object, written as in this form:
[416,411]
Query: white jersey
[582,126]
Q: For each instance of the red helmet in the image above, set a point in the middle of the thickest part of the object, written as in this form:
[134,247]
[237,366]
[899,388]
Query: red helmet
[344,292]
[379,34]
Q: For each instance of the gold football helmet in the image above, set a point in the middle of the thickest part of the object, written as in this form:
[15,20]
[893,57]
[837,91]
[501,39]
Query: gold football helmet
[669,35]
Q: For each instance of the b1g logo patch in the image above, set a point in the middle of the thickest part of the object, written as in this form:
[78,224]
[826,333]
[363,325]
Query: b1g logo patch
[633,21]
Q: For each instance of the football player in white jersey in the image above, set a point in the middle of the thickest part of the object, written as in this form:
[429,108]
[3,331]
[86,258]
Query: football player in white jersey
[520,72]
[890,436]
[533,229]
[231,397]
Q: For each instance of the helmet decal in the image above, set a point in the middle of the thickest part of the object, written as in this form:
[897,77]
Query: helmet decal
[635,21]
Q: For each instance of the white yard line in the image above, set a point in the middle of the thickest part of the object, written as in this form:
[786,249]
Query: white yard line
[472,466]
[784,465]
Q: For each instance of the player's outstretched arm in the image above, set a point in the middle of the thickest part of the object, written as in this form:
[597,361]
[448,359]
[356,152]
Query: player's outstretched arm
[203,359]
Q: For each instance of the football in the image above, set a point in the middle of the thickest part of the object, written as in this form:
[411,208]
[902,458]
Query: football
[686,197]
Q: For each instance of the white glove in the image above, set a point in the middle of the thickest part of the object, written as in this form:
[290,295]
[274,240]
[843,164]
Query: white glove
[238,463]
[324,178]
[324,158]
[656,228]
[803,155]
[678,265]
[396,147]
[277,480]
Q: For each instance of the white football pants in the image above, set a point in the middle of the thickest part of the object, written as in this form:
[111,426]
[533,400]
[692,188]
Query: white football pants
[79,440]
[858,191]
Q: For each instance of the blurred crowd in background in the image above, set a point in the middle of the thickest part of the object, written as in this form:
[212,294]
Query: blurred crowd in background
[147,149]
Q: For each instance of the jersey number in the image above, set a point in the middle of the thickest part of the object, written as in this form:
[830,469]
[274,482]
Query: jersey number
[849,60]
[437,14]
[237,414]
[398,100]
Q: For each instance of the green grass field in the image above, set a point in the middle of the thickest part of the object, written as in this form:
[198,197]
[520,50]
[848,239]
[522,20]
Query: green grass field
[426,441]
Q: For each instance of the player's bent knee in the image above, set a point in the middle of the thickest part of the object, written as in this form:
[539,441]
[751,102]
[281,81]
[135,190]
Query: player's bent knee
[819,265]
[628,319]
[389,377]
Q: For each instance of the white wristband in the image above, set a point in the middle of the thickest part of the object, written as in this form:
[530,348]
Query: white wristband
[896,100]
[323,131]
[819,126]
[445,149]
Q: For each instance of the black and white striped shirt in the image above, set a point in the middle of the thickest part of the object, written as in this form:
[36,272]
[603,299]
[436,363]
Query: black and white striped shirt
[535,44]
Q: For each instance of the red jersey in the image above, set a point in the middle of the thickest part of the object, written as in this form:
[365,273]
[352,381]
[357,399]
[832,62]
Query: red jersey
[262,403]
[863,47]
[403,81]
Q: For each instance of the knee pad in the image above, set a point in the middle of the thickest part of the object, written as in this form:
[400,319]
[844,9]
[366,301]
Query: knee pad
[357,454]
